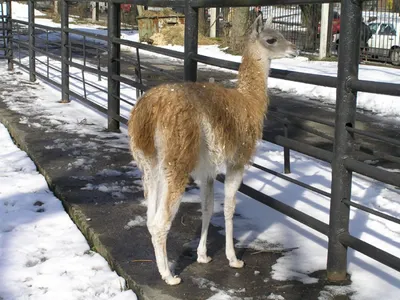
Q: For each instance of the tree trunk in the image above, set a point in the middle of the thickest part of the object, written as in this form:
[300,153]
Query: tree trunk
[396,6]
[140,9]
[240,25]
[311,15]
[202,22]
[56,7]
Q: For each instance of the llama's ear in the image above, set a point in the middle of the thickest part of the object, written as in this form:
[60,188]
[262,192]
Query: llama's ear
[268,22]
[257,26]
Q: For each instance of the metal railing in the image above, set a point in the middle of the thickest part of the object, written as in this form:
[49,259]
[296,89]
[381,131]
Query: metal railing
[342,159]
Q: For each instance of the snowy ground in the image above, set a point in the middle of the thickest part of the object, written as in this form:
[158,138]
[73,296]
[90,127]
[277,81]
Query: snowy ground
[43,255]
[259,227]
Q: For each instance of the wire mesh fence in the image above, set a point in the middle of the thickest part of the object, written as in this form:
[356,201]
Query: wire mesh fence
[301,24]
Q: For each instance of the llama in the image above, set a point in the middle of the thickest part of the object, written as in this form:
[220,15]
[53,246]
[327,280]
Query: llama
[191,129]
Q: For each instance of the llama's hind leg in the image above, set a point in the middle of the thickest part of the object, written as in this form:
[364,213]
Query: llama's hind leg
[150,183]
[171,194]
[233,179]
[207,208]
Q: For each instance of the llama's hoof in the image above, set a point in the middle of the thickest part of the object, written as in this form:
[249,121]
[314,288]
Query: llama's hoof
[237,264]
[173,280]
[203,259]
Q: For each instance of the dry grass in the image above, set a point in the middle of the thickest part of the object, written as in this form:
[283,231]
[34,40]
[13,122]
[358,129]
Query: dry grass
[162,13]
[174,35]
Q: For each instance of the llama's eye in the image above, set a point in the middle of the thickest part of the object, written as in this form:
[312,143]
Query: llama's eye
[271,41]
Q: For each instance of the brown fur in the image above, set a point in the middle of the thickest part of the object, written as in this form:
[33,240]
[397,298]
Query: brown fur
[176,112]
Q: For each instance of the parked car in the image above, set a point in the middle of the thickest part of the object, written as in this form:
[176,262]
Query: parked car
[384,43]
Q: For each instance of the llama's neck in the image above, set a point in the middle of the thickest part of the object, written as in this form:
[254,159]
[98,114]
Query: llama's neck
[253,73]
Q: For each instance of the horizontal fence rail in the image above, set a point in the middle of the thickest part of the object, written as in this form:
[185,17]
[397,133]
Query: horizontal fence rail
[23,41]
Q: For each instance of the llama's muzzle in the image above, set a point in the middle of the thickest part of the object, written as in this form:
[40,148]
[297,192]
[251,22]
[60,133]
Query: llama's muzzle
[293,51]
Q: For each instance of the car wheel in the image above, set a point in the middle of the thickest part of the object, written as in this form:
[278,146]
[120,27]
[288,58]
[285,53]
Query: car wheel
[395,57]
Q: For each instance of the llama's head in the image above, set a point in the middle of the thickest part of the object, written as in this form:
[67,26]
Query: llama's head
[271,41]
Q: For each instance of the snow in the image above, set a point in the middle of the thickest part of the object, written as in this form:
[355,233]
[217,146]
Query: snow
[138,221]
[257,226]
[20,11]
[43,255]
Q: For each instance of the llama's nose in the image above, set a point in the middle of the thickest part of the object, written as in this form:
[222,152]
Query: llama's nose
[293,51]
[296,51]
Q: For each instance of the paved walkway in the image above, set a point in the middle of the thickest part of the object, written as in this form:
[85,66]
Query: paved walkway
[103,216]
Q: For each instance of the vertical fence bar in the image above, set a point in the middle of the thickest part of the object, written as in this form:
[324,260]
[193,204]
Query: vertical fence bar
[19,46]
[47,51]
[286,151]
[9,50]
[139,74]
[31,33]
[64,52]
[345,116]
[191,41]
[84,63]
[114,65]
[98,64]
[4,16]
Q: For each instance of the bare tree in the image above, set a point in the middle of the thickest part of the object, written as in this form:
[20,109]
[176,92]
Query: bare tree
[203,28]
[140,9]
[311,16]
[396,6]
[240,26]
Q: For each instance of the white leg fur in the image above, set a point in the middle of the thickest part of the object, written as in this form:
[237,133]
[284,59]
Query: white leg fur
[159,227]
[233,179]
[207,208]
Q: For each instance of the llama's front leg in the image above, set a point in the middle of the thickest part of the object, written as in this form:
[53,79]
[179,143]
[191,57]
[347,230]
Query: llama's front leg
[233,179]
[207,208]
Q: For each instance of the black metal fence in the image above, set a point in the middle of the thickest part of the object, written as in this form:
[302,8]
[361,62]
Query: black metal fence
[5,32]
[301,24]
[86,51]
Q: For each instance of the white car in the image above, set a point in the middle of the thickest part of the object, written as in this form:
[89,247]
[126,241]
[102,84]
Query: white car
[384,43]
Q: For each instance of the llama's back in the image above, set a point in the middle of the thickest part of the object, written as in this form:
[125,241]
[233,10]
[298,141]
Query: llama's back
[177,122]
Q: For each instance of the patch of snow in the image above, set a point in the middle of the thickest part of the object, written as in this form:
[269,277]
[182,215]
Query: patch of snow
[20,11]
[272,296]
[43,255]
[138,221]
[112,173]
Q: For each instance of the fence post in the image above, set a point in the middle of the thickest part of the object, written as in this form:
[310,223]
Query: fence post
[324,31]
[286,151]
[64,52]
[31,33]
[345,116]
[9,36]
[213,22]
[95,11]
[114,65]
[191,40]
